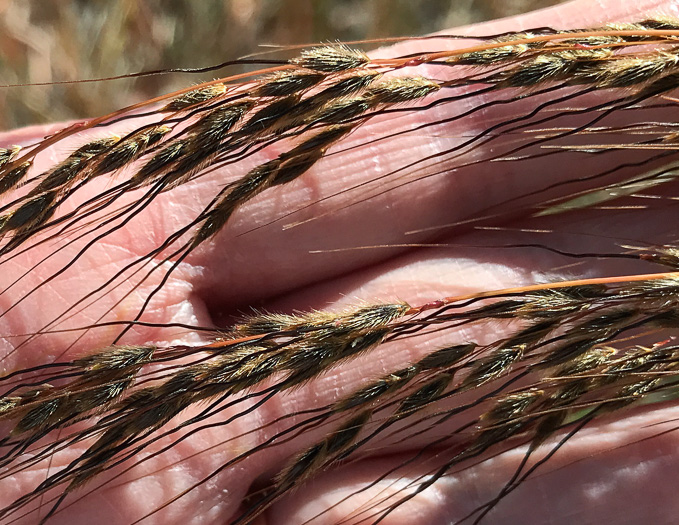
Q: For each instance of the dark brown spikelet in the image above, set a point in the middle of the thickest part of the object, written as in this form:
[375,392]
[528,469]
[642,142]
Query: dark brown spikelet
[321,454]
[326,339]
[102,378]
[304,465]
[630,394]
[621,72]
[423,396]
[31,214]
[282,170]
[401,89]
[215,125]
[492,366]
[160,162]
[361,318]
[319,141]
[549,67]
[494,55]
[272,118]
[331,58]
[197,96]
[586,362]
[302,157]
[341,110]
[446,357]
[208,135]
[662,23]
[371,316]
[73,167]
[212,129]
[38,417]
[13,178]
[512,406]
[294,167]
[115,358]
[256,181]
[240,370]
[377,390]
[326,349]
[350,84]
[494,435]
[344,436]
[129,149]
[286,83]
[8,154]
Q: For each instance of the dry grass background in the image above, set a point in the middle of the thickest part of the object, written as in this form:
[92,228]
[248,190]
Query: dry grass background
[53,40]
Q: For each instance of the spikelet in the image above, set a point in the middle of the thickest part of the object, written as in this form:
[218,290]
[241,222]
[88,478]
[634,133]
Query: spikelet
[194,97]
[286,83]
[401,89]
[13,178]
[129,149]
[331,59]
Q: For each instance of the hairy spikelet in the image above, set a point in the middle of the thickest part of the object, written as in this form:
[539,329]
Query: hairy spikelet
[331,59]
[194,97]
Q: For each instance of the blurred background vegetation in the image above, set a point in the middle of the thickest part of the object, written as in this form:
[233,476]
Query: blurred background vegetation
[54,40]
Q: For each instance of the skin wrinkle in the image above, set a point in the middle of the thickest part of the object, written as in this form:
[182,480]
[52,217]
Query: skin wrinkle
[363,284]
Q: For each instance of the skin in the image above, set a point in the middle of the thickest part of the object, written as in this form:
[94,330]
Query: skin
[619,470]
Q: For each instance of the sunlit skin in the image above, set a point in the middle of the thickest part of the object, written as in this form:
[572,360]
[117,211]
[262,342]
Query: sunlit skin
[396,246]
